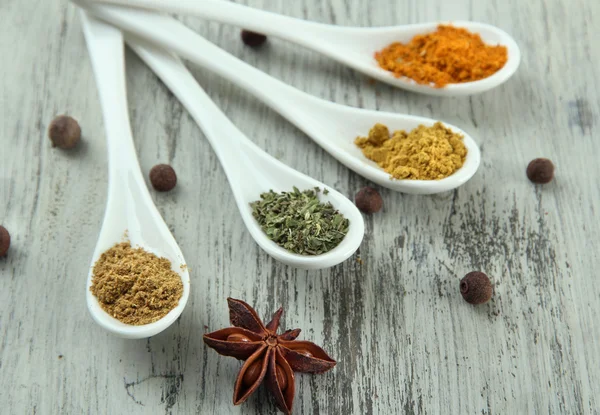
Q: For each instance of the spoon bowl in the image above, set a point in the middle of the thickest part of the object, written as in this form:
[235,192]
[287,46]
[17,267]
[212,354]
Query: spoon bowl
[346,123]
[130,213]
[353,46]
[360,45]
[333,126]
[250,171]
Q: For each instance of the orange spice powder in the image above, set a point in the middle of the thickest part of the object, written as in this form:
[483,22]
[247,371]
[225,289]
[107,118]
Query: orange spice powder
[448,55]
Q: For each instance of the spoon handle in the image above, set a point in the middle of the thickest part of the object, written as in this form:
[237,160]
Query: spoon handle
[303,32]
[105,45]
[236,153]
[298,107]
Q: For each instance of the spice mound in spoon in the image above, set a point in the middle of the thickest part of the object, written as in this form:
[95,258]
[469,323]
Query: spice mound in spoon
[424,153]
[134,285]
[299,221]
[448,55]
[268,356]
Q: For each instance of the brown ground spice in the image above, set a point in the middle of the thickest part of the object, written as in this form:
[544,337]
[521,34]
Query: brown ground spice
[448,55]
[425,153]
[134,285]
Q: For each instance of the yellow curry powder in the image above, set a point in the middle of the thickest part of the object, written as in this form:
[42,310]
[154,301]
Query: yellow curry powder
[425,153]
[448,55]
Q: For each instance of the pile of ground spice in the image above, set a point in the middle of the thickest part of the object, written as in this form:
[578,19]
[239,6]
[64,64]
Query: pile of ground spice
[448,55]
[134,285]
[425,153]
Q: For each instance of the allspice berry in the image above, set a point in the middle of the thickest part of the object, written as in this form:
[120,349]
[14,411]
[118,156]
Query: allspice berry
[253,39]
[4,241]
[368,200]
[64,132]
[163,177]
[476,288]
[540,171]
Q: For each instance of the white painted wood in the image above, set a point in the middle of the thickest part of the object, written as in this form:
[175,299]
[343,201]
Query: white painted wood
[405,340]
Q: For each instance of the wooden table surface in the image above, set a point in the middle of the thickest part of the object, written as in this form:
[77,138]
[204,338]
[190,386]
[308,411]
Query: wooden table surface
[404,339]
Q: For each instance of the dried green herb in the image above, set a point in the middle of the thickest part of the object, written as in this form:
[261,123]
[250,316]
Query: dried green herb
[299,222]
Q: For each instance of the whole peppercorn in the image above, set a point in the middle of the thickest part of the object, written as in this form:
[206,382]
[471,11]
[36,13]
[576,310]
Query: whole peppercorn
[540,171]
[163,177]
[368,200]
[64,132]
[4,241]
[253,39]
[476,288]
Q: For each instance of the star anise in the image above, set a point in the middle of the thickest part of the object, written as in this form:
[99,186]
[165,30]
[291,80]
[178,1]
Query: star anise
[268,355]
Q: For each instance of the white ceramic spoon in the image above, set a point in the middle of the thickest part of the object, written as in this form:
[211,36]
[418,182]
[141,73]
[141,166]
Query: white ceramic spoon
[333,126]
[129,208]
[249,169]
[353,46]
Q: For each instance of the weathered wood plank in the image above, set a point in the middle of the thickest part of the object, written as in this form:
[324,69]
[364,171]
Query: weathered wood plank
[404,339]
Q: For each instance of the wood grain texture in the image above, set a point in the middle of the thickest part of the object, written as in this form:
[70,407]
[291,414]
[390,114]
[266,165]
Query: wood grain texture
[405,340]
